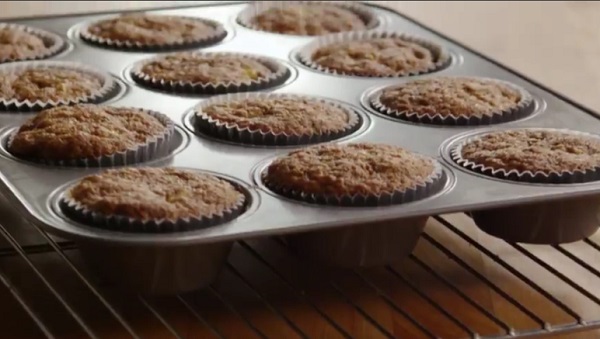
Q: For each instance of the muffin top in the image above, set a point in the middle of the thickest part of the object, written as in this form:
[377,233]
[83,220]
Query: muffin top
[206,68]
[380,57]
[84,131]
[19,44]
[348,170]
[307,19]
[48,84]
[156,194]
[470,97]
[281,115]
[152,29]
[534,150]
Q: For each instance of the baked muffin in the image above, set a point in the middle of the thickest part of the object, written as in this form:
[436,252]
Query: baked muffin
[193,71]
[153,31]
[261,119]
[391,56]
[477,99]
[19,43]
[34,86]
[307,19]
[157,198]
[532,155]
[334,173]
[71,133]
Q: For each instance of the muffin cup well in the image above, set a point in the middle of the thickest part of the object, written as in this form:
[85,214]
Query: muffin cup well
[245,17]
[432,185]
[365,245]
[156,270]
[551,222]
[159,146]
[246,135]
[522,109]
[80,213]
[564,177]
[201,41]
[305,54]
[109,86]
[280,74]
[53,42]
[369,244]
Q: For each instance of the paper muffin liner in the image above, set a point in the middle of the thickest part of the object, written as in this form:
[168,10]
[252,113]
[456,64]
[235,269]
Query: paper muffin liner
[53,42]
[109,86]
[203,41]
[78,212]
[305,54]
[245,17]
[563,177]
[157,147]
[230,131]
[432,185]
[522,109]
[280,74]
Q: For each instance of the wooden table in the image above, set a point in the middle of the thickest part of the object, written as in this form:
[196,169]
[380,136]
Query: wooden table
[556,43]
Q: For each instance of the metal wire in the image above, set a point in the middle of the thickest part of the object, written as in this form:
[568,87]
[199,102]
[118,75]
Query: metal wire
[506,327]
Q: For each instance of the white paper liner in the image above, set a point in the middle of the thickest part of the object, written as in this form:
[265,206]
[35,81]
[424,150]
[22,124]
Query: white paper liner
[247,135]
[80,213]
[521,110]
[156,147]
[563,177]
[53,42]
[127,45]
[245,17]
[109,86]
[305,54]
[280,74]
[432,185]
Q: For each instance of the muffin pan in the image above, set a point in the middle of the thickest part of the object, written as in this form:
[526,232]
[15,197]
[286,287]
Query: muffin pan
[161,258]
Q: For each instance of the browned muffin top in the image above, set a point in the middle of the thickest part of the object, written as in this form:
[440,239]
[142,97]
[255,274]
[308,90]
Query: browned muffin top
[307,19]
[152,29]
[19,44]
[281,115]
[84,131]
[375,57]
[206,68]
[351,169]
[48,83]
[455,97]
[534,150]
[156,194]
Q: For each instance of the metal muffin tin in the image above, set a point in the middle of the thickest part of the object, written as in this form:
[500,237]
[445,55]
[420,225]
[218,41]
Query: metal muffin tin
[34,188]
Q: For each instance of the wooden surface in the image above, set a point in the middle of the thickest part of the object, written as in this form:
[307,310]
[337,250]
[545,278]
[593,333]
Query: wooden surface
[556,43]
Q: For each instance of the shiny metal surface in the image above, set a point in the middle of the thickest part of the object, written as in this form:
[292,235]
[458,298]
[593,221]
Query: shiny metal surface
[31,187]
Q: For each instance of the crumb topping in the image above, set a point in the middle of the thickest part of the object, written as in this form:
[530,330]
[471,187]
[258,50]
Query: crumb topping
[206,68]
[84,131]
[308,19]
[347,170]
[281,115]
[152,29]
[156,194]
[455,97]
[375,57]
[534,150]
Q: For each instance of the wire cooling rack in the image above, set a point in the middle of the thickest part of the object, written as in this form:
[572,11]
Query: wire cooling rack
[459,283]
